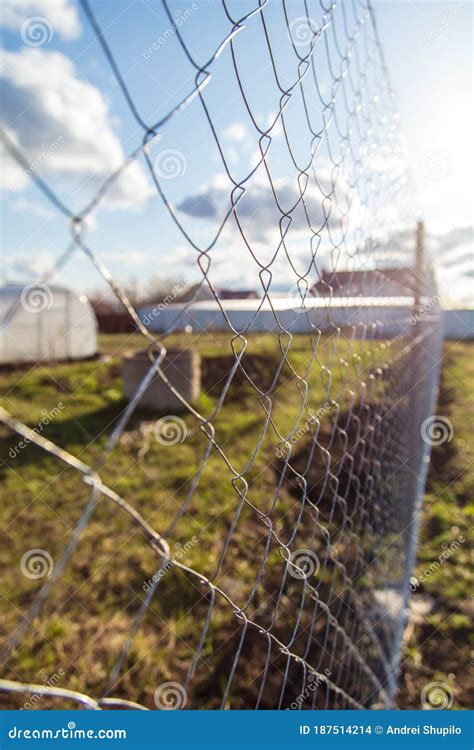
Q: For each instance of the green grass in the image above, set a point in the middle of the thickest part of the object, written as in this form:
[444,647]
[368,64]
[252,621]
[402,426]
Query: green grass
[440,643]
[90,611]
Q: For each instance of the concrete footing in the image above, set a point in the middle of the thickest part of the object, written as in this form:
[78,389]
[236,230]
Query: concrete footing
[181,366]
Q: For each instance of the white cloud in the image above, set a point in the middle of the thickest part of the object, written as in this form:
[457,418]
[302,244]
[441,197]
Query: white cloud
[30,266]
[61,14]
[453,254]
[12,176]
[30,208]
[171,264]
[258,208]
[128,257]
[448,242]
[63,127]
[236,131]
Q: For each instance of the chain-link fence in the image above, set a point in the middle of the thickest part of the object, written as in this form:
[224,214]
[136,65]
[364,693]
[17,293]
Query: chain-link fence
[253,548]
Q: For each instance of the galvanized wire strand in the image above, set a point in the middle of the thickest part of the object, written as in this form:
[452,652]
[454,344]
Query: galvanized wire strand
[338,634]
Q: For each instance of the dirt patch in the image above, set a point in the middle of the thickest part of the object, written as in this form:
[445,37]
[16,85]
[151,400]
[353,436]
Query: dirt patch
[328,504]
[255,373]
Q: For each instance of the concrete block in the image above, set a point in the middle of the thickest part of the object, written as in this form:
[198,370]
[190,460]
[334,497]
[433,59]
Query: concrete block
[181,366]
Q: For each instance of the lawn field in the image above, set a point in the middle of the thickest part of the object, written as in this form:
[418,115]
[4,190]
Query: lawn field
[438,641]
[198,505]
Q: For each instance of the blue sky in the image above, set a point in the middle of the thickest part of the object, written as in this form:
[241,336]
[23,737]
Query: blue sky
[62,106]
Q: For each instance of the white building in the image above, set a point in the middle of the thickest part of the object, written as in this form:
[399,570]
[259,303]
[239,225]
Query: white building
[459,324]
[383,316]
[45,322]
[258,315]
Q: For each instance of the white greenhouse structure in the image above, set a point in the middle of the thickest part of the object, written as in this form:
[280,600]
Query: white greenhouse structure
[45,322]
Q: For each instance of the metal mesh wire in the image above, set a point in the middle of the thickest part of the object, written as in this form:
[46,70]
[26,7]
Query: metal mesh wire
[311,533]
